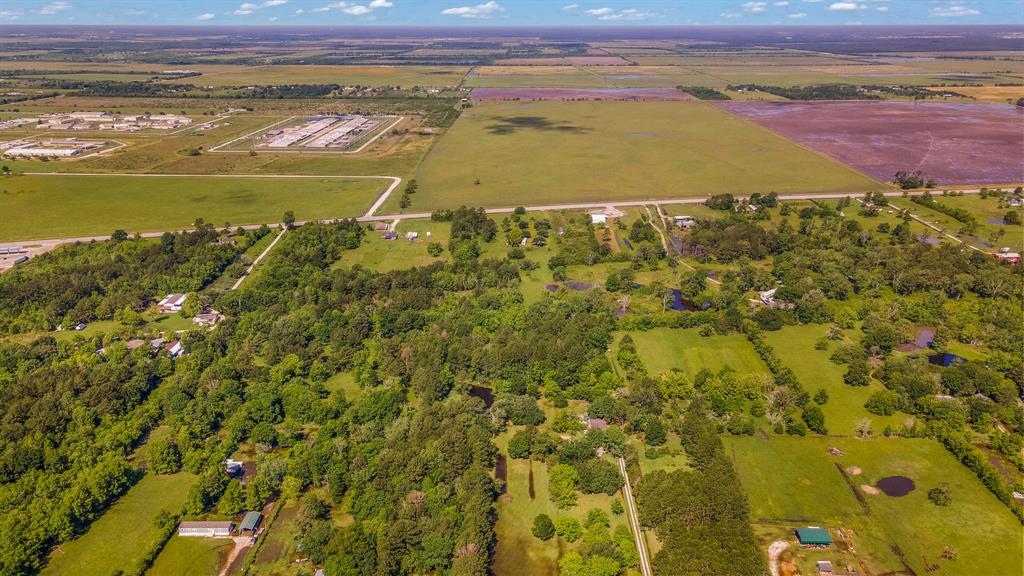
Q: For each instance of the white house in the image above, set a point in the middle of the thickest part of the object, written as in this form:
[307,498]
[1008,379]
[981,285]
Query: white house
[215,529]
[171,303]
[599,219]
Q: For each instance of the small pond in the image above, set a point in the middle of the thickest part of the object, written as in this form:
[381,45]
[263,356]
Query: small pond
[896,485]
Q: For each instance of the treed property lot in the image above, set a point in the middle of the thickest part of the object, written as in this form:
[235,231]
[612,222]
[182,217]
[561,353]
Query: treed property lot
[951,143]
[66,205]
[794,482]
[508,153]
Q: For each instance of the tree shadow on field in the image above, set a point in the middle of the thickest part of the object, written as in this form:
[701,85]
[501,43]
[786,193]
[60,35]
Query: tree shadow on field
[510,124]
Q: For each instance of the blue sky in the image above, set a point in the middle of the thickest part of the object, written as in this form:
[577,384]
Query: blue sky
[511,12]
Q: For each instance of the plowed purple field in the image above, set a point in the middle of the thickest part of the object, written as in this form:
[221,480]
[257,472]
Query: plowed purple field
[641,94]
[950,143]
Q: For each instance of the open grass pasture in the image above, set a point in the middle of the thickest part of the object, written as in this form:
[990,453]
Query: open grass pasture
[125,532]
[795,347]
[534,77]
[508,153]
[65,205]
[191,556]
[793,482]
[662,349]
[403,76]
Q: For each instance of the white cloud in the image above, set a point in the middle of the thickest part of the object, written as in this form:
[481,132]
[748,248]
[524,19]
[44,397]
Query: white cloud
[300,11]
[54,7]
[953,11]
[730,15]
[755,6]
[354,9]
[488,10]
[249,7]
[272,19]
[798,15]
[846,6]
[610,14]
[784,3]
[10,14]
[205,16]
[882,8]
[570,7]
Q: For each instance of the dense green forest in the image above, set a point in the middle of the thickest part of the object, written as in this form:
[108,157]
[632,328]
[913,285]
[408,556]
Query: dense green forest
[412,455]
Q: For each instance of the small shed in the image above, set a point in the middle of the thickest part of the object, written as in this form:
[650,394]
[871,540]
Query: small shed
[598,218]
[250,522]
[813,536]
[824,567]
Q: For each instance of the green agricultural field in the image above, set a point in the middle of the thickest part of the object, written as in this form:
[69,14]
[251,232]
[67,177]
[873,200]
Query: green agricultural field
[403,76]
[793,482]
[508,153]
[535,77]
[795,347]
[61,206]
[191,556]
[125,532]
[663,349]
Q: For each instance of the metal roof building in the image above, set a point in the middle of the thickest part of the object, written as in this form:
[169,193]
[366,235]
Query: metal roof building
[813,536]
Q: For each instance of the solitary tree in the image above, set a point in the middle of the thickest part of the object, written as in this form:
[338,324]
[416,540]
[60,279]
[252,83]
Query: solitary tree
[289,219]
[543,527]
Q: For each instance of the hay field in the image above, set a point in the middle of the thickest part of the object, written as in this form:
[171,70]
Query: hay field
[69,206]
[560,152]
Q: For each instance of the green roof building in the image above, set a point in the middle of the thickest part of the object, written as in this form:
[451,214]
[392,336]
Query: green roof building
[250,522]
[813,536]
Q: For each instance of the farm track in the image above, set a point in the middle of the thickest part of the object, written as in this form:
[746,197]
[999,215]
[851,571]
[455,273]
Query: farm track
[371,214]
[634,522]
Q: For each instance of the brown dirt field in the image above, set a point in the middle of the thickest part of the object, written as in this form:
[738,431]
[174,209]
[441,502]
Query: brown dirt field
[568,60]
[617,94]
[950,143]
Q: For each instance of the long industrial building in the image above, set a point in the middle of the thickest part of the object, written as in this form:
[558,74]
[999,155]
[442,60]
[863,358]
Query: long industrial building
[289,137]
[338,133]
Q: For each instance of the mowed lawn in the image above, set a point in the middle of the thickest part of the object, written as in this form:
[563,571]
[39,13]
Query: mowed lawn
[191,556]
[845,407]
[663,349]
[792,482]
[515,153]
[65,205]
[125,532]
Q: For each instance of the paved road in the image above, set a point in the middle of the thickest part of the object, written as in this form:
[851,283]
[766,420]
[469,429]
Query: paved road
[372,216]
[634,522]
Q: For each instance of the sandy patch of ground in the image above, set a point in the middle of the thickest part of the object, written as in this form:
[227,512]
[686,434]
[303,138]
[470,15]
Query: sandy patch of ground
[775,549]
[869,489]
[854,471]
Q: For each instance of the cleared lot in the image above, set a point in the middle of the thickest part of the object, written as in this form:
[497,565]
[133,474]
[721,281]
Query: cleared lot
[952,143]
